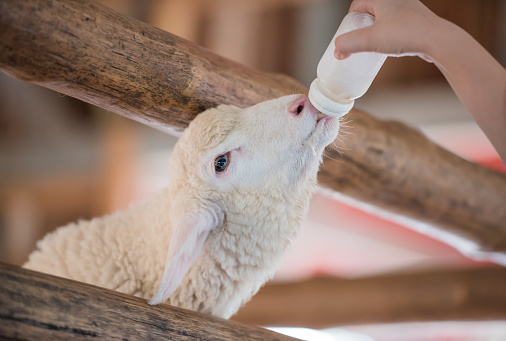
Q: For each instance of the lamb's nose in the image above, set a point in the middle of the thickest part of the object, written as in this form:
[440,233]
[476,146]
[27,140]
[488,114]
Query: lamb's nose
[298,105]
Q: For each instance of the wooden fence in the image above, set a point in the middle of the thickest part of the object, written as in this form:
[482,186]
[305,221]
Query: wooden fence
[86,50]
[36,306]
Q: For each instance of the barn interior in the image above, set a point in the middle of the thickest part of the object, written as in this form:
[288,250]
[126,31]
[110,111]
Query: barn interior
[62,159]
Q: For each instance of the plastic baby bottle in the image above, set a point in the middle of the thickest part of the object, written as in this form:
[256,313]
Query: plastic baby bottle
[340,82]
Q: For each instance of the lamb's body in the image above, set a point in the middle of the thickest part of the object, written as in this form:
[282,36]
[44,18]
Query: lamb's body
[93,252]
[251,226]
[111,251]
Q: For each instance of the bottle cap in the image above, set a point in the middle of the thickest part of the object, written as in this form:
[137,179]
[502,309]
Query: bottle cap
[325,104]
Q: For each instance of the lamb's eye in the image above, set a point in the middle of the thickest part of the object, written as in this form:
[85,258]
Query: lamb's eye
[221,163]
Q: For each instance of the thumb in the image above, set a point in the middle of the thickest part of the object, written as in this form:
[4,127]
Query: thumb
[355,41]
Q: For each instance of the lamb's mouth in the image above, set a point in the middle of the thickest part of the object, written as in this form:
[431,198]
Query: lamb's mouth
[319,116]
[321,120]
[323,133]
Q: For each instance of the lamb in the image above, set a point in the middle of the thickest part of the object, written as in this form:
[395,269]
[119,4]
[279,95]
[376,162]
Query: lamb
[239,188]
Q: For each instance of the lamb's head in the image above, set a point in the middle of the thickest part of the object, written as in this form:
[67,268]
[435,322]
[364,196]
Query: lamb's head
[264,157]
[275,144]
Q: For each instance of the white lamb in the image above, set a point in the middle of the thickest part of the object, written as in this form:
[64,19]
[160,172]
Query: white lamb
[240,183]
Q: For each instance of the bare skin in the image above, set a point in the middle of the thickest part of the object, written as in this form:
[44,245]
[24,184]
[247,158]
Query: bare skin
[407,27]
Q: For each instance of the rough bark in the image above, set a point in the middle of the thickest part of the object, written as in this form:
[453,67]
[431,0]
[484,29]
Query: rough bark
[36,306]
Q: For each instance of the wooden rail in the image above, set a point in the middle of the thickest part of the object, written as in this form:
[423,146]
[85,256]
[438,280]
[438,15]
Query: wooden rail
[85,50]
[476,294]
[36,306]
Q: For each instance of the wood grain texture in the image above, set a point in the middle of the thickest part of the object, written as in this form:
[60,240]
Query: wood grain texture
[476,294]
[85,50]
[36,306]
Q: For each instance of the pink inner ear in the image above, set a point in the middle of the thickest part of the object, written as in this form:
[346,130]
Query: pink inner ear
[189,234]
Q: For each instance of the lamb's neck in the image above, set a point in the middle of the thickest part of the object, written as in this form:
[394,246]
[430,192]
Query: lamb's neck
[256,234]
[244,253]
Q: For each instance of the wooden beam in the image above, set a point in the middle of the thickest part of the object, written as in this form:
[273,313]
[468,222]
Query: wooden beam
[85,50]
[88,51]
[36,306]
[476,294]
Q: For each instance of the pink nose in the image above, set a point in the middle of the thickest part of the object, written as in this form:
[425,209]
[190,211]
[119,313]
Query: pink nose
[299,105]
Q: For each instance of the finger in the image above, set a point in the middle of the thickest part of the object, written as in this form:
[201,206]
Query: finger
[355,41]
[363,6]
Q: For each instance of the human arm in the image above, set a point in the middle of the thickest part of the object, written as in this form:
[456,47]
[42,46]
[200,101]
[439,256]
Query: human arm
[407,27]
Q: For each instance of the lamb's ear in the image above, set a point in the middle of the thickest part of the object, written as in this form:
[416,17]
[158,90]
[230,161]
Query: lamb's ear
[189,232]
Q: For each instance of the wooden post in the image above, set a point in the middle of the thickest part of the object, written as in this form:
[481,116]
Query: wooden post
[36,306]
[85,50]
[476,294]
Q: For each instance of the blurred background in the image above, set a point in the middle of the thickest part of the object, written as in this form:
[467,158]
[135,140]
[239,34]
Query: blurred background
[62,160]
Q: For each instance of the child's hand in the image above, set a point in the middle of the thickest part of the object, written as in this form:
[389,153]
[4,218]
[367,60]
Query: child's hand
[401,27]
[407,27]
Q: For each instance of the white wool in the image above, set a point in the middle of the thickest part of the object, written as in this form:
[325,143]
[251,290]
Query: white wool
[210,240]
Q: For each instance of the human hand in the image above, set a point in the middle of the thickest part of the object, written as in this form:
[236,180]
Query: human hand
[407,27]
[401,27]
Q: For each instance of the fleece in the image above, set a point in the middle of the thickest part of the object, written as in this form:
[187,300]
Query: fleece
[239,188]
